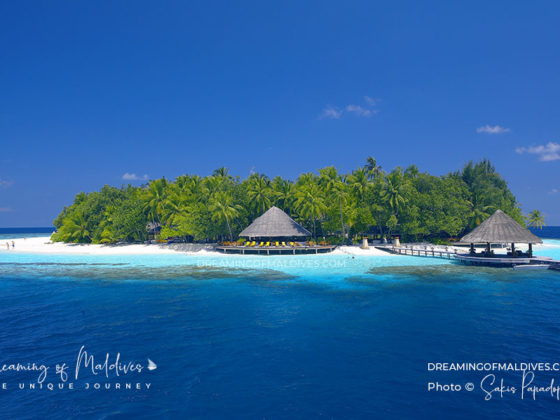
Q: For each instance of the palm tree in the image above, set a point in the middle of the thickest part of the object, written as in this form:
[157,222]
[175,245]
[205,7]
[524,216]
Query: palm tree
[358,182]
[154,196]
[182,182]
[479,215]
[222,171]
[284,193]
[335,187]
[214,183]
[306,178]
[259,192]
[479,211]
[310,203]
[173,206]
[412,171]
[392,193]
[191,185]
[372,167]
[222,208]
[76,229]
[535,219]
[196,186]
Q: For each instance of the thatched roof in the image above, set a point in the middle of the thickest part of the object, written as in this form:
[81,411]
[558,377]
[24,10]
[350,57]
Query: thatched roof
[274,223]
[498,229]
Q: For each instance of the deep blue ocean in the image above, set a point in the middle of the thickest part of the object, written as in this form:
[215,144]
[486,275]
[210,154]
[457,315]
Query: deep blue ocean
[550,232]
[29,232]
[302,337]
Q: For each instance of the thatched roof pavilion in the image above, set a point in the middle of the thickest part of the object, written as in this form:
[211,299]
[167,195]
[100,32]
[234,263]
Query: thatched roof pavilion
[499,229]
[274,223]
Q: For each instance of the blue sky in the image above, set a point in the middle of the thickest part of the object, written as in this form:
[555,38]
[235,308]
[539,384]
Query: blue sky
[93,91]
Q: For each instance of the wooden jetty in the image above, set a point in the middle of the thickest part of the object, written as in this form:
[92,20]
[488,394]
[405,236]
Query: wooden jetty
[495,260]
[418,251]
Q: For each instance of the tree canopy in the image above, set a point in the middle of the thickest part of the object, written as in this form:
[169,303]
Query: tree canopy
[368,200]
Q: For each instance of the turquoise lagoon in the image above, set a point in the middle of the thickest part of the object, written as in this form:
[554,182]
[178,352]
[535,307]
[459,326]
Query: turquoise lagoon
[274,337]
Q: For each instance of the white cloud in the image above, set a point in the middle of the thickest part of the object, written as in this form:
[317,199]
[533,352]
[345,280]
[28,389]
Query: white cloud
[489,129]
[5,183]
[554,191]
[331,112]
[370,100]
[5,209]
[358,110]
[546,153]
[366,110]
[134,177]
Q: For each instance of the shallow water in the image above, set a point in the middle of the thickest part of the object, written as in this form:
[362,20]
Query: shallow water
[252,337]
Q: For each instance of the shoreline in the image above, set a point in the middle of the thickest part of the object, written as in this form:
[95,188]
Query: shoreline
[43,245]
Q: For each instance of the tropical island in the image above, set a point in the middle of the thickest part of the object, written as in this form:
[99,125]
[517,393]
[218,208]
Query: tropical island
[335,208]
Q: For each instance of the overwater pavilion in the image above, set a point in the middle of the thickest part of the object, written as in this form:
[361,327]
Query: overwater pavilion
[273,233]
[500,229]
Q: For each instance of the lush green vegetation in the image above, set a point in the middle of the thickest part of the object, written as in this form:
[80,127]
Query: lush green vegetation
[329,204]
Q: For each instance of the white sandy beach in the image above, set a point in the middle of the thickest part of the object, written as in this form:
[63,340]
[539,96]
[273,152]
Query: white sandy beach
[43,245]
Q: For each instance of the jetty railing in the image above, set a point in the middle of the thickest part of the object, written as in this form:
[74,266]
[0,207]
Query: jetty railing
[420,251]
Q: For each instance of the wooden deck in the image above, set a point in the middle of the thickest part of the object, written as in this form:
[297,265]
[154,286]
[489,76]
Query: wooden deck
[276,250]
[506,261]
[495,261]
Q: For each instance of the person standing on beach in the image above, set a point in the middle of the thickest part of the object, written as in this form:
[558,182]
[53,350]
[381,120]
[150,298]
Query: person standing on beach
[13,244]
[8,246]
